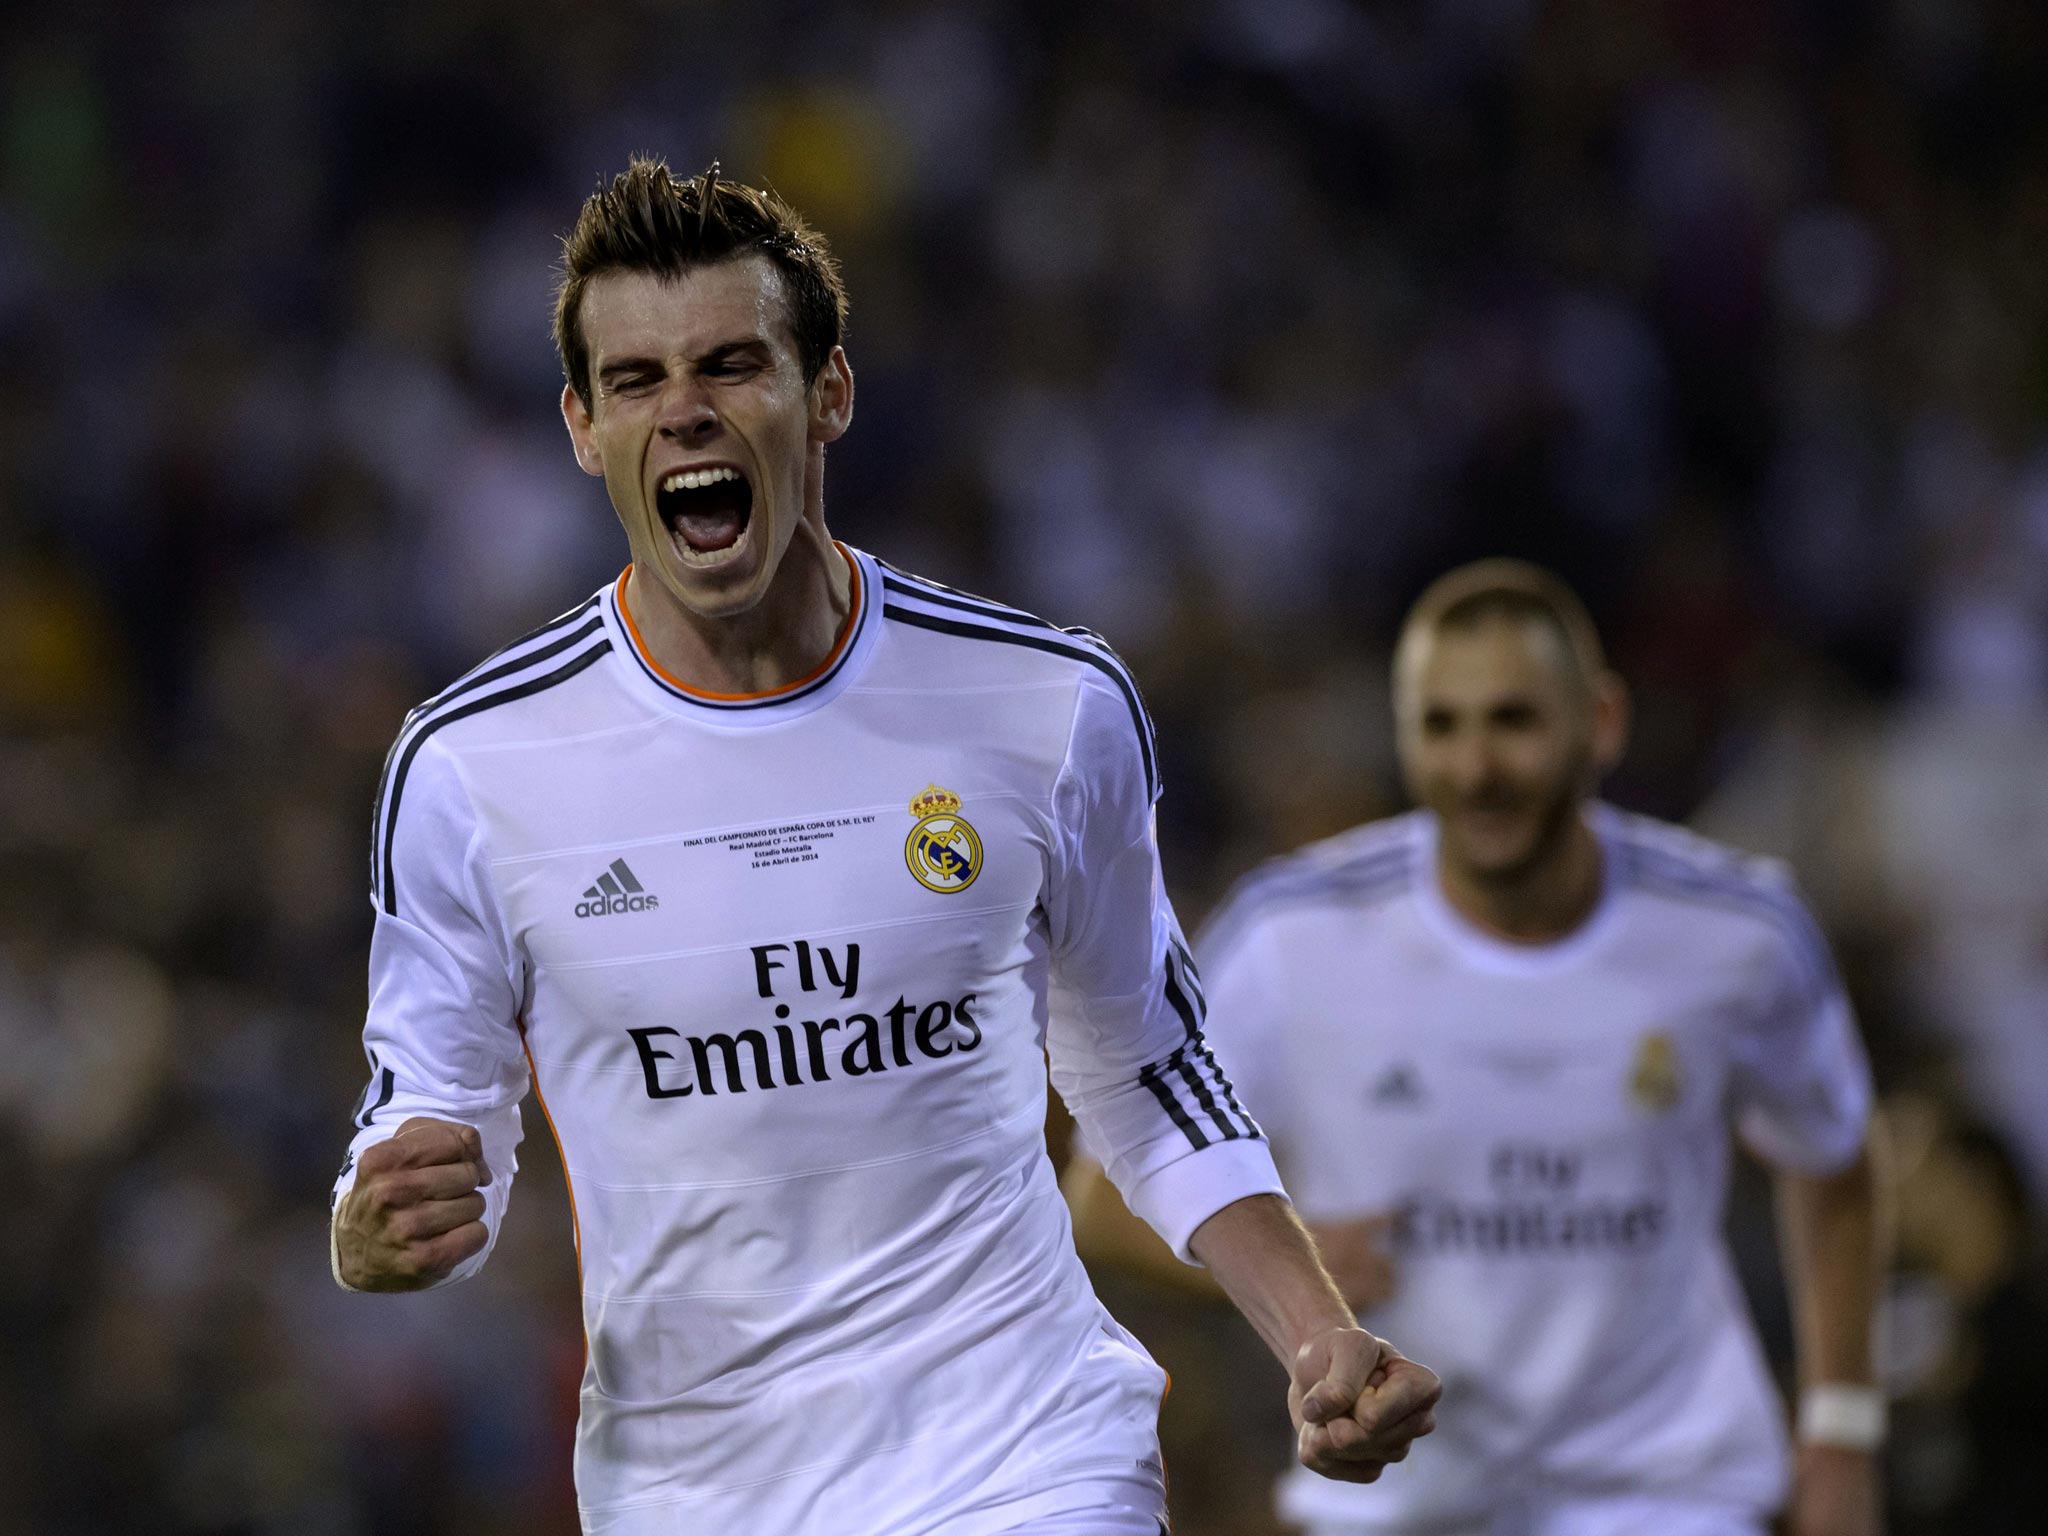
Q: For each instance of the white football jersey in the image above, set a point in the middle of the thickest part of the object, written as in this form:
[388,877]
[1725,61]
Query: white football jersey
[1549,1127]
[784,971]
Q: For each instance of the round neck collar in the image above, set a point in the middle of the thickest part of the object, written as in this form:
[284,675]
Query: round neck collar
[823,682]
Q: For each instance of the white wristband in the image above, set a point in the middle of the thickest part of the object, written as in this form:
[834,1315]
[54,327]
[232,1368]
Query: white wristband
[1840,1414]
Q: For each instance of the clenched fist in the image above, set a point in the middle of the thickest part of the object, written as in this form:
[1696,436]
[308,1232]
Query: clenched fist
[1358,1404]
[414,1213]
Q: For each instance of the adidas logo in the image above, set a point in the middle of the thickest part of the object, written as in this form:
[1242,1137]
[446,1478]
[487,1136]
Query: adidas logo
[616,890]
[1397,1085]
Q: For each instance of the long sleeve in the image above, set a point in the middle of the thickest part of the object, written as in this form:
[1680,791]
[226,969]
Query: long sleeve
[1125,1038]
[442,1031]
[1801,1085]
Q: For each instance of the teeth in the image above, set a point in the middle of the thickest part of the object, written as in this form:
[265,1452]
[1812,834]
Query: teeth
[697,479]
[709,557]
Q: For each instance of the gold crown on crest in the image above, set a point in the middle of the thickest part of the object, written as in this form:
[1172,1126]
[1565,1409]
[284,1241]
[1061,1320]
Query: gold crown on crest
[933,801]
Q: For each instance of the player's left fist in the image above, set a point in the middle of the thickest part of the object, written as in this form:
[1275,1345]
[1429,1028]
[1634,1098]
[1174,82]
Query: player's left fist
[1358,1403]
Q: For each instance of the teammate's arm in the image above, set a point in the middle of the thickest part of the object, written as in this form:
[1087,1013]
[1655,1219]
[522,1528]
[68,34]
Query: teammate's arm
[1803,1100]
[1834,1233]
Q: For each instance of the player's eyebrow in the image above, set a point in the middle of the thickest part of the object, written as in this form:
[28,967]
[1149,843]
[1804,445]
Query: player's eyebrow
[718,352]
[727,349]
[619,367]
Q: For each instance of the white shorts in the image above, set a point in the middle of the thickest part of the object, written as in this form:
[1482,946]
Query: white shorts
[1617,1515]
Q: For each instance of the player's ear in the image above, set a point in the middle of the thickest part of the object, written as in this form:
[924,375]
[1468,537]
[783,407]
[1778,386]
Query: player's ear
[832,399]
[582,431]
[1610,721]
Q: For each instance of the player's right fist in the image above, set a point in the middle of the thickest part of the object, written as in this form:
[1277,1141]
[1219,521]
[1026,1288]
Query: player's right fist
[414,1213]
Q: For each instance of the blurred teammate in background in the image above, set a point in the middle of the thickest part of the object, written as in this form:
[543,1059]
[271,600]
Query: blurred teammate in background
[1500,1045]
[780,871]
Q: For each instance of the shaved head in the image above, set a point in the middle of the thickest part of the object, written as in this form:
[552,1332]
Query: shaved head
[1501,589]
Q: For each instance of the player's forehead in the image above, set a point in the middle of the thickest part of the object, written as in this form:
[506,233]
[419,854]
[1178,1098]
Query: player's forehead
[645,314]
[1495,657]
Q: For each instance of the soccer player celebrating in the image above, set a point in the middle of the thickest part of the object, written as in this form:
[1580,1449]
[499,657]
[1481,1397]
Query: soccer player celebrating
[1500,1044]
[777,873]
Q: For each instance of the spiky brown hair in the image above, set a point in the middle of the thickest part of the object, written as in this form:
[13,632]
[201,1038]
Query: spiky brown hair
[646,220]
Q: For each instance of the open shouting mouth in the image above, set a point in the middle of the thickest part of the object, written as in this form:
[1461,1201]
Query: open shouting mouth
[706,511]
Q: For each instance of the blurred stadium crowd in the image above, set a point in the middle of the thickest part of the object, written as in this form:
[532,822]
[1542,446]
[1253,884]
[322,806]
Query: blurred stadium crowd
[1219,327]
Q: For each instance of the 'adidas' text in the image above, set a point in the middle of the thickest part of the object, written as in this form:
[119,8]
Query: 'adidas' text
[616,890]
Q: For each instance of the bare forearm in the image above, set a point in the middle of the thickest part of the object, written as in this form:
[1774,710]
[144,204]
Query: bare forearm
[1356,1403]
[1835,1232]
[1265,1261]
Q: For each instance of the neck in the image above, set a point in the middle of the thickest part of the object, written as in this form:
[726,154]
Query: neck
[784,637]
[1540,902]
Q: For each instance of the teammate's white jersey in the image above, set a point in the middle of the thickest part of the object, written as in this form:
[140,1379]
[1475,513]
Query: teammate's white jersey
[1550,1127]
[784,971]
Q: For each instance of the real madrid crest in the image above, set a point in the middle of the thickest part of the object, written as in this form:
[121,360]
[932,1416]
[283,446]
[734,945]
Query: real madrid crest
[943,850]
[1655,1082]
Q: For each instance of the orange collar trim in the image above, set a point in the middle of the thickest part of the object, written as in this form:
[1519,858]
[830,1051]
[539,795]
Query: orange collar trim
[846,634]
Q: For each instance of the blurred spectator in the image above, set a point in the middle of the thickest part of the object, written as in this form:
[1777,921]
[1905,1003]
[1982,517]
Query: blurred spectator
[1967,1349]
